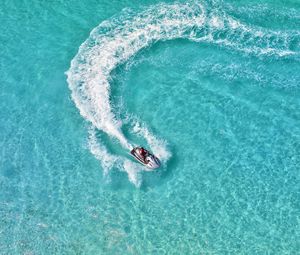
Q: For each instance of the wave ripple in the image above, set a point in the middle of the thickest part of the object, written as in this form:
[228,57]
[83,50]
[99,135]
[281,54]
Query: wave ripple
[116,40]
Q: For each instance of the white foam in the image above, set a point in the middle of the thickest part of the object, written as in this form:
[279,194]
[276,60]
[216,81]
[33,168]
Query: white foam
[216,22]
[116,40]
[100,152]
[108,161]
[134,172]
[155,144]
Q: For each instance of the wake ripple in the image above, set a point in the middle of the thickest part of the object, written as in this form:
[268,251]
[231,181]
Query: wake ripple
[116,40]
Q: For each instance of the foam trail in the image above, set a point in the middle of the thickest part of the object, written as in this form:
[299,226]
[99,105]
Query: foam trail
[108,161]
[134,172]
[89,74]
[155,144]
[116,40]
[100,152]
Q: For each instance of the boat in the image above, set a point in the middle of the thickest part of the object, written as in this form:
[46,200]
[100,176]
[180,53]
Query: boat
[145,157]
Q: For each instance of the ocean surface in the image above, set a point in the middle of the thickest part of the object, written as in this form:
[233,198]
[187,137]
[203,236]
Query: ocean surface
[210,87]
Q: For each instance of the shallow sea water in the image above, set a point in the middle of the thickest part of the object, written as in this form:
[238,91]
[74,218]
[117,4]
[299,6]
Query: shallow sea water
[212,87]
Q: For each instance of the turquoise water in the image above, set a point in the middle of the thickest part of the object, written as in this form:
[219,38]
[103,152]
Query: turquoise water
[211,87]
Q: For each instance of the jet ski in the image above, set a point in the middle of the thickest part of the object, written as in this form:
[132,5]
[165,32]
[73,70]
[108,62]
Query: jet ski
[145,157]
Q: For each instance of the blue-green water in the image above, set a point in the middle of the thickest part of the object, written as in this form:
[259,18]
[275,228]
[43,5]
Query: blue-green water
[211,87]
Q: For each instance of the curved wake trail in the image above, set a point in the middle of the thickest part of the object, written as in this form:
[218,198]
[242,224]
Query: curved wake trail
[116,40]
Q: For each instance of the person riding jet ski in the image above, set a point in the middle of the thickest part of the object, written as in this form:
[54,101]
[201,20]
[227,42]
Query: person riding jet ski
[144,154]
[145,157]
